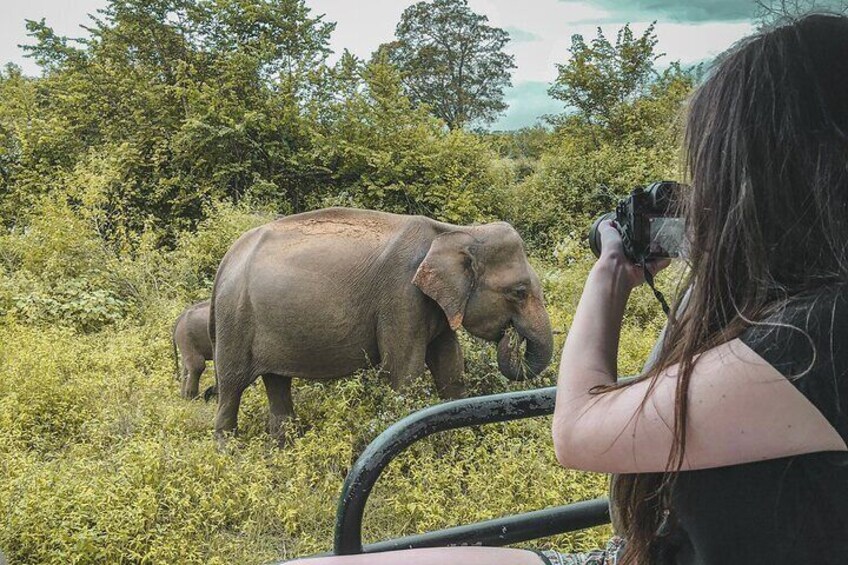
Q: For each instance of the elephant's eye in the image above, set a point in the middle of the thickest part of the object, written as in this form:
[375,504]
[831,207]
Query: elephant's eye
[519,292]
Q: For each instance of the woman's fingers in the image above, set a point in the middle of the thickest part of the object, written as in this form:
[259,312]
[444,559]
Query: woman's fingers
[612,246]
[610,238]
[658,265]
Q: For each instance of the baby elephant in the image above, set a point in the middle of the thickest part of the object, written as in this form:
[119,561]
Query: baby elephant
[191,338]
[323,294]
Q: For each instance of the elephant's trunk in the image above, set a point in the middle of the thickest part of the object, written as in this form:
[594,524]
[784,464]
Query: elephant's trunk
[534,329]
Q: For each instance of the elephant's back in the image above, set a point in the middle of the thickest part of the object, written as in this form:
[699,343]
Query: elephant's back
[306,289]
[190,331]
[333,229]
[334,245]
[197,321]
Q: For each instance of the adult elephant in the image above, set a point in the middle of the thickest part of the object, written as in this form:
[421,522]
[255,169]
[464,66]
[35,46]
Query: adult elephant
[323,294]
[190,338]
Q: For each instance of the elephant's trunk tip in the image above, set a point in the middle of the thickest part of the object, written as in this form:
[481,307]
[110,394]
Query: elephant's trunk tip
[210,393]
[511,362]
[537,346]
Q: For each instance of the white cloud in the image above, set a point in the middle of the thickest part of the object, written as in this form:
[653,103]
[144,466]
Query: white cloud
[361,25]
[690,43]
[64,16]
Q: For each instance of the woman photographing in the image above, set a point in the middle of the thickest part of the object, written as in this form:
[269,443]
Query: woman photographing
[731,448]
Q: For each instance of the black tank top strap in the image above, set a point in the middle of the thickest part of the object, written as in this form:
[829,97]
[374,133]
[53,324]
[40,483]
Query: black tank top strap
[806,340]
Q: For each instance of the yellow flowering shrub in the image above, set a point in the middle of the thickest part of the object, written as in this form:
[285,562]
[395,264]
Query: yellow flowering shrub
[101,461]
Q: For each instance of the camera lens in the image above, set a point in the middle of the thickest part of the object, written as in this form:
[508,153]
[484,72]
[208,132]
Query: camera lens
[595,234]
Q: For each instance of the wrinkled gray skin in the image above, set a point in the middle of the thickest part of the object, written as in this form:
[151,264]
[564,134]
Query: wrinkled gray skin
[323,294]
[191,338]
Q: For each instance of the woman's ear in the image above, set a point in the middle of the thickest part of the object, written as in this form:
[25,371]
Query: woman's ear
[448,273]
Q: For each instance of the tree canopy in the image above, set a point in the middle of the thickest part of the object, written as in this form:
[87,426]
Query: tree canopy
[452,61]
[600,75]
[169,106]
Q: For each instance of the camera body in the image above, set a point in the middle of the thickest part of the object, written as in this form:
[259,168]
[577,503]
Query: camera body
[647,222]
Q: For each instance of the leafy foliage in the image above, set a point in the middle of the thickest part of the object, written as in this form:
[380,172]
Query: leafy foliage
[622,131]
[452,61]
[189,101]
[600,77]
[148,147]
[103,462]
[173,105]
[388,154]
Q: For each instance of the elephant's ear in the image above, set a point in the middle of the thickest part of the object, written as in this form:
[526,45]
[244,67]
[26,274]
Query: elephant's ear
[448,273]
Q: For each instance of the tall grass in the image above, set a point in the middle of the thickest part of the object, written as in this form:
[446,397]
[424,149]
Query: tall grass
[101,461]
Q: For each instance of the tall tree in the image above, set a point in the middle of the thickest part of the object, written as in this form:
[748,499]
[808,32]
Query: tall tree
[452,61]
[173,103]
[600,75]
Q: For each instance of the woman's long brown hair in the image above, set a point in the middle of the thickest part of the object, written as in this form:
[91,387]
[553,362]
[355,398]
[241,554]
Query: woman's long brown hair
[766,148]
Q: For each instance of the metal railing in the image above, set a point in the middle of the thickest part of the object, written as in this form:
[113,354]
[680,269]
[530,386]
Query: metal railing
[448,416]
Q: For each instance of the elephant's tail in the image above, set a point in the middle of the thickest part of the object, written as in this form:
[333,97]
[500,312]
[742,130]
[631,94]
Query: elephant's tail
[210,326]
[174,347]
[212,391]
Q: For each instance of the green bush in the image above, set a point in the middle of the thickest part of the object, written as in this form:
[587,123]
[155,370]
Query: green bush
[102,462]
[573,184]
[72,302]
[57,270]
[197,253]
[387,155]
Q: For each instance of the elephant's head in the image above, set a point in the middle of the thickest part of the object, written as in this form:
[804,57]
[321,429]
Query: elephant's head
[481,279]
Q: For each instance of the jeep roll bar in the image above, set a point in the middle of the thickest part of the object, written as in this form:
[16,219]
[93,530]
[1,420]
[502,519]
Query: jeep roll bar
[448,416]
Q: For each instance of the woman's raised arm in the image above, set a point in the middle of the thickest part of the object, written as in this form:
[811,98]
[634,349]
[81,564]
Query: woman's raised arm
[741,409]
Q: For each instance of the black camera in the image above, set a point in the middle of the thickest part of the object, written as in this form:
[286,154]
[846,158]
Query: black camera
[647,222]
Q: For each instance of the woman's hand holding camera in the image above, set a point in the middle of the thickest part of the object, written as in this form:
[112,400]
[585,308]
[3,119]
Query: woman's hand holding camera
[627,273]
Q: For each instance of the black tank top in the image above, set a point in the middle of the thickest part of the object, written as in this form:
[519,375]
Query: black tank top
[791,510]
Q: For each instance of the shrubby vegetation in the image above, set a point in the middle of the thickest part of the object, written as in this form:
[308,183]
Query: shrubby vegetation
[102,461]
[128,169]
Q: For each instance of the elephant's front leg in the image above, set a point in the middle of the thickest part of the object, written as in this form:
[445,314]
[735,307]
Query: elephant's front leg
[444,359]
[280,406]
[401,353]
[404,365]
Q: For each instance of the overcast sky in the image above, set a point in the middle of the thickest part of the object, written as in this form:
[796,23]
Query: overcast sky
[688,30]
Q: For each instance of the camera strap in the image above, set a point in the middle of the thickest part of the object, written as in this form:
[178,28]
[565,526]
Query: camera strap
[649,278]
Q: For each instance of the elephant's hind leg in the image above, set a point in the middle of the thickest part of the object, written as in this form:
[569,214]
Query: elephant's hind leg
[194,367]
[281,408]
[229,398]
